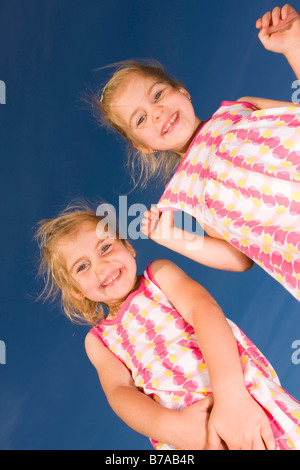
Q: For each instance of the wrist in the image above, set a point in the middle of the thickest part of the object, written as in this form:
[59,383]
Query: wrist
[167,236]
[292,55]
[230,390]
[169,423]
[176,235]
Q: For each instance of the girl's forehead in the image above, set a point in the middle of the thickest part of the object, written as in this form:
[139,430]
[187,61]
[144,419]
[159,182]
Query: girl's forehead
[136,82]
[98,230]
[86,230]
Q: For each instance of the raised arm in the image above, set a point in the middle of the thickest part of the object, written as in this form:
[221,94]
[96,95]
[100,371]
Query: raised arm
[212,251]
[235,417]
[280,32]
[185,429]
[263,103]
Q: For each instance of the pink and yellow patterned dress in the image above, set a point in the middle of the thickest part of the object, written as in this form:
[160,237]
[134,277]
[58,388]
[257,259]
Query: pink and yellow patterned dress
[241,176]
[160,349]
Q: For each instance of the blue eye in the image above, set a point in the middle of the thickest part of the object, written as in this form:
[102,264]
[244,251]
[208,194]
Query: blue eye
[104,248]
[157,96]
[141,120]
[82,267]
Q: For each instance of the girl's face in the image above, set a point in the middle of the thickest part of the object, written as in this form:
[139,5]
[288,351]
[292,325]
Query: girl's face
[103,269]
[159,116]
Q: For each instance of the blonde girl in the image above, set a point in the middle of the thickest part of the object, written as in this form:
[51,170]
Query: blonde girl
[239,172]
[164,352]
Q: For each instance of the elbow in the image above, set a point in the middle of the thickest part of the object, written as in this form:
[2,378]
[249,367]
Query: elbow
[246,99]
[246,264]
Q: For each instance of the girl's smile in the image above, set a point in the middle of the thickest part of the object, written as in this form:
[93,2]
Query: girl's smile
[104,270]
[169,126]
[112,279]
[156,115]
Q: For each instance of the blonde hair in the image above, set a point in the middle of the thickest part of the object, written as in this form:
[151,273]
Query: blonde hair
[145,165]
[52,268]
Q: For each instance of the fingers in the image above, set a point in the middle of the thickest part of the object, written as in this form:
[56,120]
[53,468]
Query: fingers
[276,16]
[286,9]
[268,437]
[273,18]
[263,33]
[258,444]
[150,218]
[152,213]
[214,442]
[145,228]
[266,20]
[146,223]
[206,403]
[264,441]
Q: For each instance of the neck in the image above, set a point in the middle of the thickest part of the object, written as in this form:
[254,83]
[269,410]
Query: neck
[198,124]
[115,307]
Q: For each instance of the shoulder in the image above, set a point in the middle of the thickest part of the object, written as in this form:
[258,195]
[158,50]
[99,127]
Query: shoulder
[94,348]
[254,103]
[162,267]
[111,370]
[169,277]
[180,289]
[264,103]
[175,282]
[100,356]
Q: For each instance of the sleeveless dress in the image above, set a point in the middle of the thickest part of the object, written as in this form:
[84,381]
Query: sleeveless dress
[160,349]
[241,176]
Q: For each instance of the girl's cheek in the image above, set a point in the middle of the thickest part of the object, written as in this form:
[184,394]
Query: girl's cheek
[83,283]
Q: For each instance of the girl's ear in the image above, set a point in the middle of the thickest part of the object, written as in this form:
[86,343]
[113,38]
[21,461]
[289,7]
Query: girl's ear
[139,145]
[143,148]
[185,92]
[130,248]
[77,294]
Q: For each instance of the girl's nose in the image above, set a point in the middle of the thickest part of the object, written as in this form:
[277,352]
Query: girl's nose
[100,268]
[157,113]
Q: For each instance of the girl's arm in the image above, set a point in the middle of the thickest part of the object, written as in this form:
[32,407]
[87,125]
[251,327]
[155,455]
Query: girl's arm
[185,429]
[280,32]
[212,251]
[263,103]
[236,417]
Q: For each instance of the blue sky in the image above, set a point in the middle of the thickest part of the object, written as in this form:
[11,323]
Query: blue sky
[52,152]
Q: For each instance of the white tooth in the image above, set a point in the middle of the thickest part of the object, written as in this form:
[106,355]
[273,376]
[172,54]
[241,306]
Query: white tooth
[170,123]
[111,279]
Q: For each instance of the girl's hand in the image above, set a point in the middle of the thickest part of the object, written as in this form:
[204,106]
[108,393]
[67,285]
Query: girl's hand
[190,428]
[241,423]
[157,225]
[280,29]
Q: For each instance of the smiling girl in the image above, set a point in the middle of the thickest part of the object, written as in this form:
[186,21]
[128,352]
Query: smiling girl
[239,171]
[165,354]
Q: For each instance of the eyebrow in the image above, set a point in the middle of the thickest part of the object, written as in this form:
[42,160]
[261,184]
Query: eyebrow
[147,94]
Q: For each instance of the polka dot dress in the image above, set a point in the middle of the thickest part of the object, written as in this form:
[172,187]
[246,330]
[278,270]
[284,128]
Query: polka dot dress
[161,351]
[241,176]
